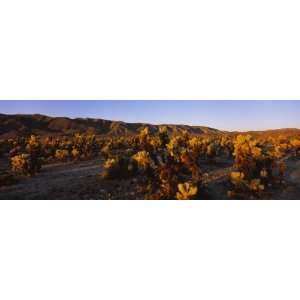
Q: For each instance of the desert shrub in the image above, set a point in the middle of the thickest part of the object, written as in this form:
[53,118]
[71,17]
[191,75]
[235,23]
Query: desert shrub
[243,188]
[169,174]
[295,143]
[257,164]
[34,146]
[163,136]
[253,156]
[85,145]
[106,150]
[119,168]
[186,191]
[168,163]
[144,140]
[165,183]
[143,160]
[226,146]
[50,145]
[62,155]
[24,164]
[247,153]
[16,146]
[177,145]
[75,154]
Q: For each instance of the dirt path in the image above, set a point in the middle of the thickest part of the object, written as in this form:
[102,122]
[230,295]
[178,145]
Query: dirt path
[81,180]
[55,181]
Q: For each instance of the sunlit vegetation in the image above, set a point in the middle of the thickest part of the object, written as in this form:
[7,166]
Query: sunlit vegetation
[165,166]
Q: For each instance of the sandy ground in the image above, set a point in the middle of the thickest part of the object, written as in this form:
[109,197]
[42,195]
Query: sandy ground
[56,181]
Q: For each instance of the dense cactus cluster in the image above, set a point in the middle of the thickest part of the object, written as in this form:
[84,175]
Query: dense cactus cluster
[24,164]
[258,164]
[170,165]
[165,166]
[27,155]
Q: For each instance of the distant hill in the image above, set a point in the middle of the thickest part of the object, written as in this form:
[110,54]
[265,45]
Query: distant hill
[23,125]
[274,132]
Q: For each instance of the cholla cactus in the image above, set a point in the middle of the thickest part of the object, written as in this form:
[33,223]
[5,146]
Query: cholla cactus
[237,176]
[168,181]
[243,187]
[75,154]
[111,169]
[17,146]
[109,163]
[226,145]
[176,146]
[186,191]
[119,167]
[194,143]
[144,134]
[163,136]
[247,154]
[144,140]
[23,164]
[144,160]
[256,186]
[62,154]
[34,144]
[105,150]
[296,146]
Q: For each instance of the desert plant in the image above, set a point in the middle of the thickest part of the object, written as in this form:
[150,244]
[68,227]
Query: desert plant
[295,143]
[62,154]
[186,191]
[143,160]
[75,154]
[119,168]
[24,164]
[243,188]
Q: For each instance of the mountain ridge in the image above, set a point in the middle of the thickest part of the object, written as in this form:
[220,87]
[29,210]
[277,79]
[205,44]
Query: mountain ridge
[25,124]
[12,125]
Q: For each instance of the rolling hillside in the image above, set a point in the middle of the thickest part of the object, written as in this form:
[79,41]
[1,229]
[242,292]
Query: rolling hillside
[22,125]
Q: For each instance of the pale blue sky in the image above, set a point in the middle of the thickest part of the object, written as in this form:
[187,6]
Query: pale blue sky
[227,115]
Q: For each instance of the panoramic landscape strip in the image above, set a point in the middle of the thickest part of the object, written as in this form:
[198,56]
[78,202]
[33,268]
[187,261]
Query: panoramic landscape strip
[150,150]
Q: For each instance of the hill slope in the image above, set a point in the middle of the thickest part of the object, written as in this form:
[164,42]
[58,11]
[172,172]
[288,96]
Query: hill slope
[22,125]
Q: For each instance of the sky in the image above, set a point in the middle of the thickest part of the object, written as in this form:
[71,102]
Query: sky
[225,115]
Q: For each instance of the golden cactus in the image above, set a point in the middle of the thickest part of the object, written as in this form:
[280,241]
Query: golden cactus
[62,154]
[186,191]
[22,164]
[143,159]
